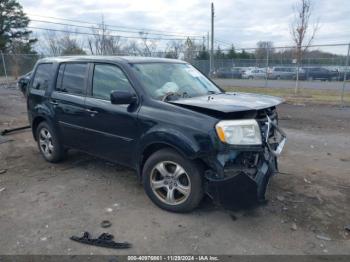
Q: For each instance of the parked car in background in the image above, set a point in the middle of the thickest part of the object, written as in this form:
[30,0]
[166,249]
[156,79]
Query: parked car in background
[225,72]
[254,74]
[281,73]
[183,135]
[23,81]
[341,72]
[318,73]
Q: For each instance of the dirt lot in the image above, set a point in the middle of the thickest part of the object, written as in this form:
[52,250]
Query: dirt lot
[42,204]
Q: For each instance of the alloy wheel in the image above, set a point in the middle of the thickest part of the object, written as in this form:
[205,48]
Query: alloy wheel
[170,183]
[45,142]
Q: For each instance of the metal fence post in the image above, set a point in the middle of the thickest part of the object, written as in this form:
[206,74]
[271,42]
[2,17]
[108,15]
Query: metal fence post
[267,65]
[3,61]
[345,73]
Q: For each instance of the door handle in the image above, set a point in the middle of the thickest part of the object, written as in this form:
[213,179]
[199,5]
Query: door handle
[91,112]
[52,102]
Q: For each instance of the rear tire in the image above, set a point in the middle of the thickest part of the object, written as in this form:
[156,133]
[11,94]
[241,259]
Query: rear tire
[48,143]
[172,182]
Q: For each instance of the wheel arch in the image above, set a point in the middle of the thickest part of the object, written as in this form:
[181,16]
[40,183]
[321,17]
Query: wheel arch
[156,146]
[35,123]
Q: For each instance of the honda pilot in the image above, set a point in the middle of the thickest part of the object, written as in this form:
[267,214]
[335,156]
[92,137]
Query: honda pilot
[183,135]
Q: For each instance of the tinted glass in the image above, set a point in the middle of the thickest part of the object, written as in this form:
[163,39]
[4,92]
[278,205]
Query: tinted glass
[73,80]
[42,76]
[108,78]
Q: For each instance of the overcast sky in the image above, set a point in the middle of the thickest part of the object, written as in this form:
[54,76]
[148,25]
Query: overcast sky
[240,22]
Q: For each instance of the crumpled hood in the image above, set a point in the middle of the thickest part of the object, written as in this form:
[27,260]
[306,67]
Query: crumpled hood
[230,102]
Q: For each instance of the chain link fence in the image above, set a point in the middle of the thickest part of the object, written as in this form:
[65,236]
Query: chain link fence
[322,75]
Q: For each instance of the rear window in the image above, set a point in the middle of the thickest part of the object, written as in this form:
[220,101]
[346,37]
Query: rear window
[71,78]
[42,76]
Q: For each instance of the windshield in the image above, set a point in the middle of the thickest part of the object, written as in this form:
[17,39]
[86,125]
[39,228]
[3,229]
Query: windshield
[182,80]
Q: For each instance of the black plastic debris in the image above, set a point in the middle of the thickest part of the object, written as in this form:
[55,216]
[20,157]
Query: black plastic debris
[104,240]
[347,228]
[6,131]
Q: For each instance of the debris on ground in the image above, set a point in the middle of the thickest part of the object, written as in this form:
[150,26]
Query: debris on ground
[6,131]
[104,240]
[3,171]
[307,181]
[2,189]
[109,210]
[347,228]
[106,224]
[4,139]
[322,237]
[280,198]
[294,226]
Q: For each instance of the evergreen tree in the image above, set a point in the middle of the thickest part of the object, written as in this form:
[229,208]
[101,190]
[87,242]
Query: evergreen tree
[14,36]
[203,55]
[232,53]
[219,54]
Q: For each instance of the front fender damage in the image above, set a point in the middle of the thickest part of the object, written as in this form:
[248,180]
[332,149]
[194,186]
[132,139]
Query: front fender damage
[239,176]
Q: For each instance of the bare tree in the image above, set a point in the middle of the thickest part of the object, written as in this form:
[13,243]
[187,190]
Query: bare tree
[262,50]
[56,44]
[174,48]
[132,48]
[102,43]
[301,32]
[71,45]
[50,43]
[150,46]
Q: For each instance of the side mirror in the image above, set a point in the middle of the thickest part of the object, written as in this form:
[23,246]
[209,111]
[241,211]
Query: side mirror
[123,98]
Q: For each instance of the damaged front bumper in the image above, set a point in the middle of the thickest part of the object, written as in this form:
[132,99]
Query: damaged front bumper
[246,170]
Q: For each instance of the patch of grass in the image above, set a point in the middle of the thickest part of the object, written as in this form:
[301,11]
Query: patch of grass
[305,95]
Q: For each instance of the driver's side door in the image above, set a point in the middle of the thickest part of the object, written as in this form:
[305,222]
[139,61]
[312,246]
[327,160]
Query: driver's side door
[112,129]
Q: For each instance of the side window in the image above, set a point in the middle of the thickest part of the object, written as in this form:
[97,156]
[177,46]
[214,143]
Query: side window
[71,78]
[108,78]
[42,76]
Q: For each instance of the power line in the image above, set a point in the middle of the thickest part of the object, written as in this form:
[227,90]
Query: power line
[291,46]
[94,34]
[112,26]
[223,42]
[113,30]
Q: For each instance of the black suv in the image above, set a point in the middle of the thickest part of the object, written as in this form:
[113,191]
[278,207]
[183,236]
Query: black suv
[183,135]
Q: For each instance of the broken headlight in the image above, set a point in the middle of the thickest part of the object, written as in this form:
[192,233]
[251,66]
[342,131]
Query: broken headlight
[239,132]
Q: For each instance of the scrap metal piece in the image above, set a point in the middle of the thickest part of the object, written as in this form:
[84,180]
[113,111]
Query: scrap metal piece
[104,240]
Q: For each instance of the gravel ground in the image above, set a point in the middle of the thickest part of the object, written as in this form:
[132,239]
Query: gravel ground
[43,204]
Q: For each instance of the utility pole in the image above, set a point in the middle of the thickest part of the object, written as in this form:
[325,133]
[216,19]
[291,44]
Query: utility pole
[345,73]
[208,46]
[212,41]
[267,65]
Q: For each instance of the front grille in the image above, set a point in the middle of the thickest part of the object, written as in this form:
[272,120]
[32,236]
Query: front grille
[262,120]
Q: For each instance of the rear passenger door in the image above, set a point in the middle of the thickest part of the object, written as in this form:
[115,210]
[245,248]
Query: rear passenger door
[68,103]
[112,129]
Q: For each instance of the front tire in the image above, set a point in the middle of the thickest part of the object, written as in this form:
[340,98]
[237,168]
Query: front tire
[48,142]
[172,182]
